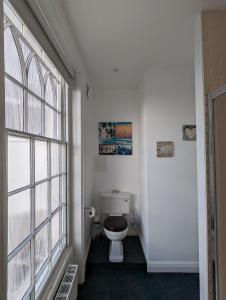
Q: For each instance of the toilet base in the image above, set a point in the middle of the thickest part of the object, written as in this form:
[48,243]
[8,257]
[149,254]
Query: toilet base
[116,251]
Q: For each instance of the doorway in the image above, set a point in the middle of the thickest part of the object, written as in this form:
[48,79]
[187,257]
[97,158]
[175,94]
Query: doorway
[217,151]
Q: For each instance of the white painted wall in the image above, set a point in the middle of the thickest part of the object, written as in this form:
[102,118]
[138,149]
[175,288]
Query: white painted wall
[118,172]
[171,189]
[88,163]
[201,158]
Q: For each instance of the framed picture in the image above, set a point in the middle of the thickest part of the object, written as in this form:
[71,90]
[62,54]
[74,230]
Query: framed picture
[189,132]
[115,138]
[165,149]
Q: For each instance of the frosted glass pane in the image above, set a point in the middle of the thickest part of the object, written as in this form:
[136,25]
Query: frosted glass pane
[49,122]
[18,162]
[59,129]
[64,220]
[34,115]
[55,158]
[41,248]
[19,212]
[49,95]
[55,226]
[55,254]
[64,158]
[12,61]
[13,105]
[63,189]
[33,78]
[41,203]
[43,70]
[25,50]
[40,160]
[55,193]
[41,279]
[58,90]
[19,270]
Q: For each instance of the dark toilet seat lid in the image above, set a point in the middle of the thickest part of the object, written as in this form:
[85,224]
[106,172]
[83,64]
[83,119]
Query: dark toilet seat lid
[115,223]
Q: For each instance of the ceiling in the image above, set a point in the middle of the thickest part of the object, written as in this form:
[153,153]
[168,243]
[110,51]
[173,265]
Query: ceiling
[132,35]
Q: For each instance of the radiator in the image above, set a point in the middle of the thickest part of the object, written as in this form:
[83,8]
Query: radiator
[68,288]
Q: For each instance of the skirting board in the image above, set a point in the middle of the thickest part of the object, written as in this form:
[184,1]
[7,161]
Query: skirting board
[172,267]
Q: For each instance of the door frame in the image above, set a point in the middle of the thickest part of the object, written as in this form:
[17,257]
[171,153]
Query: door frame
[213,96]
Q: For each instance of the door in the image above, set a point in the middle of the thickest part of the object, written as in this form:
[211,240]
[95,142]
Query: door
[218,169]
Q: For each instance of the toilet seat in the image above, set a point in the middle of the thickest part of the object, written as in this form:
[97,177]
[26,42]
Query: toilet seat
[115,223]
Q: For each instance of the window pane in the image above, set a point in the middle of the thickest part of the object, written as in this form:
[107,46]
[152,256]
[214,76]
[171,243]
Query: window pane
[41,203]
[49,122]
[41,279]
[55,254]
[41,248]
[64,188]
[18,162]
[13,105]
[55,158]
[55,226]
[64,157]
[12,61]
[49,95]
[64,220]
[55,193]
[19,274]
[40,160]
[33,78]
[58,90]
[25,50]
[34,115]
[43,70]
[19,212]
[59,130]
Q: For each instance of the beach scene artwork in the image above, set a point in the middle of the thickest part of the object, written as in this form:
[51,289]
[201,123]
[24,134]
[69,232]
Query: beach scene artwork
[115,138]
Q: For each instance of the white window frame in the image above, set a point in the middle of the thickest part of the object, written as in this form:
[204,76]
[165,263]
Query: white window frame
[64,255]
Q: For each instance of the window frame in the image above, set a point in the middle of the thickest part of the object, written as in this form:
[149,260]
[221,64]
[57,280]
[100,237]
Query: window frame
[33,137]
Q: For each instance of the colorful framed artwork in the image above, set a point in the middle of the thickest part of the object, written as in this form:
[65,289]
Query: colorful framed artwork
[189,132]
[115,138]
[165,149]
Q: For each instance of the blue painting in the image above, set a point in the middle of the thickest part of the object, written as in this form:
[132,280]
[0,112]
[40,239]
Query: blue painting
[115,138]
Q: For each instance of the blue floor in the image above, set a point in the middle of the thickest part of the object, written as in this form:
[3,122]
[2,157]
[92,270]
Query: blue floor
[138,285]
[130,281]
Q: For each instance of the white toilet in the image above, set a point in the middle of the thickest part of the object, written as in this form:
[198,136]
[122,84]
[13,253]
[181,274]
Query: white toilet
[116,205]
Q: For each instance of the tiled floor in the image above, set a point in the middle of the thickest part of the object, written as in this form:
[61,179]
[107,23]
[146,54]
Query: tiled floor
[130,281]
[133,255]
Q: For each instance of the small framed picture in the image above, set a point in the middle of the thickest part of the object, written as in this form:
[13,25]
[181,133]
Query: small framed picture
[165,149]
[189,132]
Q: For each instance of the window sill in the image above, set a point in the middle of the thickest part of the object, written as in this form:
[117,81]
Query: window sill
[50,289]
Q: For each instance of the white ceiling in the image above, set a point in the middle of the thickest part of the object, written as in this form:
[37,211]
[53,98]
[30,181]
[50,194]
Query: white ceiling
[132,35]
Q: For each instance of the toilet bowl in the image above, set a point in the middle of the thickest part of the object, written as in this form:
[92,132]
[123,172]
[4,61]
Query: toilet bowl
[115,206]
[116,228]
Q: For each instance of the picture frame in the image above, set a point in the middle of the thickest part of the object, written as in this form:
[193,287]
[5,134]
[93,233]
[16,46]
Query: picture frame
[165,149]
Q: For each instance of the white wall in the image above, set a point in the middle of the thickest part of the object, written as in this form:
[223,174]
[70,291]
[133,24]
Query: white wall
[201,166]
[88,165]
[171,196]
[118,172]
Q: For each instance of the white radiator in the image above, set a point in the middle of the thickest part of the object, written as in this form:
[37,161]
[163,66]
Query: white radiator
[68,289]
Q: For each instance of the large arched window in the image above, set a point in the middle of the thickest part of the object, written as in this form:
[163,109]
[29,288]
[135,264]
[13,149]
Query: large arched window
[36,152]
[12,59]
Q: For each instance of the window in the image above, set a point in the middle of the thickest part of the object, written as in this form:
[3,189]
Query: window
[35,101]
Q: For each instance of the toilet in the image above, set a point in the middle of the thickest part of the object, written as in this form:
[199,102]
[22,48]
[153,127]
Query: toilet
[116,205]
